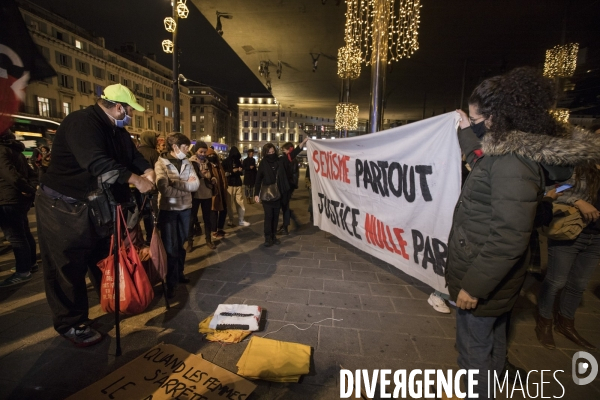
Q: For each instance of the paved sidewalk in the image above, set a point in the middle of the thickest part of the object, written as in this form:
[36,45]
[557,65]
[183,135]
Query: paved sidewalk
[312,275]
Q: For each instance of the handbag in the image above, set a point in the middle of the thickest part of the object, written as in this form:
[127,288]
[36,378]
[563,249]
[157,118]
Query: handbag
[566,223]
[157,265]
[134,286]
[270,192]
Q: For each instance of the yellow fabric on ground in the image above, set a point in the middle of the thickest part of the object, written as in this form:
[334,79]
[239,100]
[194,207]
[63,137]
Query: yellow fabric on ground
[226,336]
[273,360]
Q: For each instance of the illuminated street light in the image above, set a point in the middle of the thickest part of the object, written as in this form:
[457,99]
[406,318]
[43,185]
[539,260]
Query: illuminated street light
[167,46]
[170,24]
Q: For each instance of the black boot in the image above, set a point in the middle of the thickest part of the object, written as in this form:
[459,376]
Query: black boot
[274,240]
[543,330]
[268,242]
[566,327]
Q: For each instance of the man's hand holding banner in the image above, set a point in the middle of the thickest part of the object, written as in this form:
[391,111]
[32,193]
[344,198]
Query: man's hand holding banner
[392,193]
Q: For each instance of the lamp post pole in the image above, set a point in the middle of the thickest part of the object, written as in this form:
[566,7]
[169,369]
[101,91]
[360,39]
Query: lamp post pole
[378,64]
[176,113]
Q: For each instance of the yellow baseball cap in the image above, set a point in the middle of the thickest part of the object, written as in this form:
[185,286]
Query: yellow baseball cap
[121,94]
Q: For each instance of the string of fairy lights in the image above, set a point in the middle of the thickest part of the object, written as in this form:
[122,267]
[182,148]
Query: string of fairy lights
[391,24]
[346,116]
[395,22]
[561,61]
[171,25]
[349,59]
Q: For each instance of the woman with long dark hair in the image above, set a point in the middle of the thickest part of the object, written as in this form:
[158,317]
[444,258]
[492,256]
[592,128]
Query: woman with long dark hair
[494,216]
[270,171]
[571,262]
[219,200]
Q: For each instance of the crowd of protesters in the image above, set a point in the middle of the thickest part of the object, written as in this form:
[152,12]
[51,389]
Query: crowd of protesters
[514,152]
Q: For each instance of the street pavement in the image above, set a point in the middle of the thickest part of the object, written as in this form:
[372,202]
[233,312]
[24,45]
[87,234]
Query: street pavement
[384,319]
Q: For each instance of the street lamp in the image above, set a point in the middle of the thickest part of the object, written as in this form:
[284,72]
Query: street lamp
[180,10]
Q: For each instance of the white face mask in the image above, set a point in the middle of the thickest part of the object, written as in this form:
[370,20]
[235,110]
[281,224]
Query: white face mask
[179,154]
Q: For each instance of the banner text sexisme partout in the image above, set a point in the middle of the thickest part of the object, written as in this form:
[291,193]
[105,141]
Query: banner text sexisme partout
[386,179]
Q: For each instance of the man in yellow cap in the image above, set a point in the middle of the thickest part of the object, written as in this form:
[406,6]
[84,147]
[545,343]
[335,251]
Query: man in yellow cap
[89,144]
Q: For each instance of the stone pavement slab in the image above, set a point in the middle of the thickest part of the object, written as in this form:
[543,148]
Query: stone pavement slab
[316,289]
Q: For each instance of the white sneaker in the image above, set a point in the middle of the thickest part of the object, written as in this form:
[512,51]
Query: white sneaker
[244,223]
[438,304]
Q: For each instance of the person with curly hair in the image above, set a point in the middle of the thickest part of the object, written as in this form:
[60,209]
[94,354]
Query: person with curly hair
[495,213]
[571,262]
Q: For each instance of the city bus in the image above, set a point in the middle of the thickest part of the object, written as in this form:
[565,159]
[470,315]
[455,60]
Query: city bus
[34,132]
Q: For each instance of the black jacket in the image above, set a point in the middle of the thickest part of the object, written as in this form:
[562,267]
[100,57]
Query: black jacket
[494,216]
[269,173]
[86,146]
[231,162]
[249,173]
[291,167]
[16,176]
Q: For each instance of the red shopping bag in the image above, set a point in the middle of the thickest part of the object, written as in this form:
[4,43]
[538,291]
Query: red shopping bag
[157,265]
[134,286]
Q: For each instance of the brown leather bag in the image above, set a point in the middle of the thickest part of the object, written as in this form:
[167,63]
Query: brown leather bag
[566,223]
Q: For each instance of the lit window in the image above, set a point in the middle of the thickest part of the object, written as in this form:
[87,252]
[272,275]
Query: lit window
[166,111]
[43,106]
[78,44]
[193,118]
[66,108]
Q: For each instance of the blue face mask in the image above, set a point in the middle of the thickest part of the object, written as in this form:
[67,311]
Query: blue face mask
[122,123]
[202,158]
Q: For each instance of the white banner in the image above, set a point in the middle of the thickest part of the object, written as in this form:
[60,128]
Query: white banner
[392,193]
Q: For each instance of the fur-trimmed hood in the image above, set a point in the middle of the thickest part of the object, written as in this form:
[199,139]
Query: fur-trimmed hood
[582,146]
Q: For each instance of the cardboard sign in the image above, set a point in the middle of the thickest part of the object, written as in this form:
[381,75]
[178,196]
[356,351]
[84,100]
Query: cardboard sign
[168,372]
[392,193]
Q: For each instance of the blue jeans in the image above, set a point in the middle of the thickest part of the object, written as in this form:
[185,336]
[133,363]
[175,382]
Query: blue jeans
[571,263]
[15,225]
[174,227]
[481,343]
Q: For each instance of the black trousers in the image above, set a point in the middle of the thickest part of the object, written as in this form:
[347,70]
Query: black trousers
[69,246]
[288,214]
[271,218]
[217,219]
[205,205]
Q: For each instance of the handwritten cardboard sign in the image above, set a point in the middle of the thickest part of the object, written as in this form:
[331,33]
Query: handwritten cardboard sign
[168,372]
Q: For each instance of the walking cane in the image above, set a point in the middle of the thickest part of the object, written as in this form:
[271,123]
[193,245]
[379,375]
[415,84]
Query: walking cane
[106,181]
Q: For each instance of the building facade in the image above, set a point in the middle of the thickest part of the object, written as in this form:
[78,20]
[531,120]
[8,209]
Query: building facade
[85,67]
[211,118]
[263,120]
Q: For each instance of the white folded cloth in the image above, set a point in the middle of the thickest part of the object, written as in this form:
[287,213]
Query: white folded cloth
[236,316]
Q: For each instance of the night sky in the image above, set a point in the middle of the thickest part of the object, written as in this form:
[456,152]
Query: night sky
[141,21]
[492,35]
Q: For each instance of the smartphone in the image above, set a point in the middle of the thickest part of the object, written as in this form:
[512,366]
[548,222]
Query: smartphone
[564,187]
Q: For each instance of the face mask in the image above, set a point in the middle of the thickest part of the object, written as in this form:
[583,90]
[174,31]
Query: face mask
[179,154]
[212,159]
[271,157]
[122,123]
[479,129]
[201,158]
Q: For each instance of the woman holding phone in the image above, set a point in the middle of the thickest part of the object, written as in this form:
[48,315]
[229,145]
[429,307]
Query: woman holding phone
[571,263]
